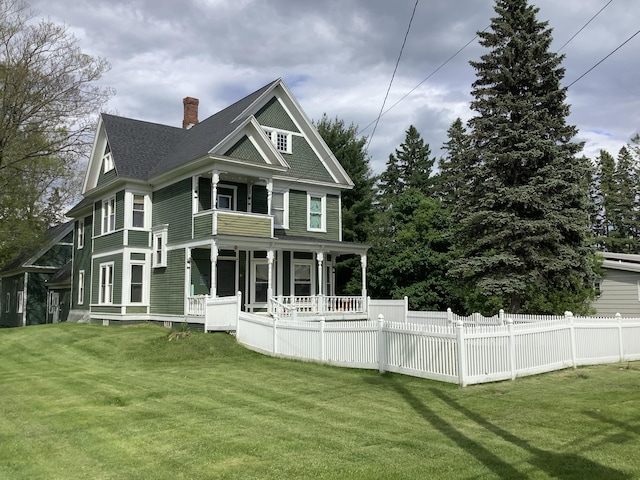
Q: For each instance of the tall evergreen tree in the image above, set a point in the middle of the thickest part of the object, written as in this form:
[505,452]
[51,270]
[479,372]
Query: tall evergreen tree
[453,171]
[357,203]
[525,233]
[604,188]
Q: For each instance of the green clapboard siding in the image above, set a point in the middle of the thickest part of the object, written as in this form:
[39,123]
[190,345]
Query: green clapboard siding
[136,309]
[203,226]
[106,309]
[167,285]
[105,178]
[108,242]
[304,162]
[250,226]
[245,150]
[11,285]
[172,205]
[117,278]
[298,216]
[82,261]
[138,238]
[120,210]
[138,256]
[275,116]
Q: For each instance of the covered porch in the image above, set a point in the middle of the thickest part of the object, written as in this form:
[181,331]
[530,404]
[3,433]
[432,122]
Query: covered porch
[284,278]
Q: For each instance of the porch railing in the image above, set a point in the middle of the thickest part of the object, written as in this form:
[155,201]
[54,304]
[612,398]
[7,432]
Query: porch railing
[319,304]
[197,305]
[281,310]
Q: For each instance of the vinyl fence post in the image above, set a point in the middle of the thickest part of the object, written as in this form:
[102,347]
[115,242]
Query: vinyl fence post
[620,343]
[275,336]
[512,347]
[322,356]
[449,316]
[381,350]
[501,317]
[406,309]
[572,333]
[462,354]
[238,314]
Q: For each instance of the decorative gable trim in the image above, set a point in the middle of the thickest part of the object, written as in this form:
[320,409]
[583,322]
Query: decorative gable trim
[95,167]
[280,90]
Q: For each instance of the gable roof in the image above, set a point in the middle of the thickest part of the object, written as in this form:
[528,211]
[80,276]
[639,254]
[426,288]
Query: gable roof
[28,257]
[627,262]
[143,150]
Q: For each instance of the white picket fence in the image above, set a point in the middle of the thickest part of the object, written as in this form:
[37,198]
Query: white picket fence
[465,351]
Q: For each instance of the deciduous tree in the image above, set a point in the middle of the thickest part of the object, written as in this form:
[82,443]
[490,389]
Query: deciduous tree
[49,97]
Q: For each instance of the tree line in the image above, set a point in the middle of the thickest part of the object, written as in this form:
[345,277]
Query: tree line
[512,215]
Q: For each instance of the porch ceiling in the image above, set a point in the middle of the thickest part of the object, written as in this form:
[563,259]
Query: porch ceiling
[290,243]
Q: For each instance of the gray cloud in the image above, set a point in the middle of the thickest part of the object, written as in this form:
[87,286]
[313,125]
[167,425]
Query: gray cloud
[338,56]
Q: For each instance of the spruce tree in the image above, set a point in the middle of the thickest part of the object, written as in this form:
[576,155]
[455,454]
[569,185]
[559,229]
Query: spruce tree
[452,177]
[525,227]
[604,189]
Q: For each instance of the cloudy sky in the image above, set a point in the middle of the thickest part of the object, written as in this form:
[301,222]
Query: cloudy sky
[337,56]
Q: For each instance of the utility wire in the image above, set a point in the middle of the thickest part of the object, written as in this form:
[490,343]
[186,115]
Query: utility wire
[392,76]
[611,53]
[427,78]
[584,26]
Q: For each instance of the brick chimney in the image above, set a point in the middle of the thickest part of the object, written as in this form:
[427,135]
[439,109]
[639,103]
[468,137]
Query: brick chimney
[190,112]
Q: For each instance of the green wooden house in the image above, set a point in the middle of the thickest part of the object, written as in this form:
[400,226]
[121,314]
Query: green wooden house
[25,296]
[248,200]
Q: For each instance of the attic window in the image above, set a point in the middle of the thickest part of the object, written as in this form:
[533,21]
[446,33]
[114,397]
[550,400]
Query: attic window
[281,140]
[107,160]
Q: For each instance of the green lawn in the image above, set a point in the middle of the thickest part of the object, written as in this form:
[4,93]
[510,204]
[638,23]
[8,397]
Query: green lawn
[80,401]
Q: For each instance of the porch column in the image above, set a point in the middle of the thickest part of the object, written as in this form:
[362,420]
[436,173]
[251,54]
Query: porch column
[269,195]
[215,179]
[363,263]
[270,257]
[320,260]
[214,269]
[321,307]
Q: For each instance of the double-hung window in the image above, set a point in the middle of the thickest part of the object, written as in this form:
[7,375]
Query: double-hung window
[136,283]
[109,215]
[106,284]
[279,209]
[80,287]
[316,213]
[80,233]
[160,247]
[137,219]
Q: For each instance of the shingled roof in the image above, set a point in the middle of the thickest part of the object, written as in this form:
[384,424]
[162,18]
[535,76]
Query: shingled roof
[142,150]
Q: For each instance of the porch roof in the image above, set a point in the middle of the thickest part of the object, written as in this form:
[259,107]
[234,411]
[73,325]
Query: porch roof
[288,242]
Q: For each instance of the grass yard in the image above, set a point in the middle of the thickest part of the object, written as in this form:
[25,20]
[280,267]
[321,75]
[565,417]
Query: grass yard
[81,401]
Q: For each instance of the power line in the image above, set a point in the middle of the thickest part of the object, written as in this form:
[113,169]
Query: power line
[427,78]
[392,76]
[584,26]
[611,53]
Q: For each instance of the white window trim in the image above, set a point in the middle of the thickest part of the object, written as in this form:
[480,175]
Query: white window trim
[323,219]
[285,207]
[81,234]
[254,267]
[162,234]
[106,213]
[128,206]
[272,135]
[81,277]
[109,266]
[20,302]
